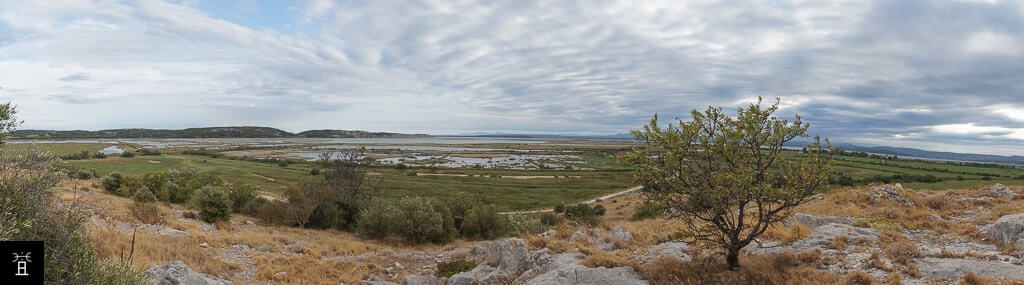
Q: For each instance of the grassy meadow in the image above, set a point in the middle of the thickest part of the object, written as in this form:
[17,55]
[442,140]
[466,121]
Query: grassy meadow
[509,189]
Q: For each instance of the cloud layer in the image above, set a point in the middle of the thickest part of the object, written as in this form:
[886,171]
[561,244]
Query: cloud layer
[944,75]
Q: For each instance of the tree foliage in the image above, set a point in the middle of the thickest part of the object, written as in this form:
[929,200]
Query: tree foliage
[726,176]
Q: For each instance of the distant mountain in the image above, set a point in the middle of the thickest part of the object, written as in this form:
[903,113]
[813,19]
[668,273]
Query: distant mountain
[212,132]
[355,134]
[940,155]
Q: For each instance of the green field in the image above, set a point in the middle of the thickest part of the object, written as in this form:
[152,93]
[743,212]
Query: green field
[508,193]
[604,174]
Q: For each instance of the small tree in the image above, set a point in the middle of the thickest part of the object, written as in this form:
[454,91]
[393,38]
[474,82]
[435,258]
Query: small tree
[213,203]
[8,122]
[727,177]
[112,182]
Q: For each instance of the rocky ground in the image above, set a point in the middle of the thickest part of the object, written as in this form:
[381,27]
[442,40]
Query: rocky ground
[888,233]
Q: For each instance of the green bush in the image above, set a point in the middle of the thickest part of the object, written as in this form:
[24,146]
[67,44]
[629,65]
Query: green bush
[549,219]
[523,224]
[112,182]
[252,207]
[240,195]
[447,269]
[648,211]
[145,212]
[560,208]
[376,220]
[127,154]
[584,213]
[144,196]
[315,171]
[484,222]
[99,155]
[214,204]
[421,220]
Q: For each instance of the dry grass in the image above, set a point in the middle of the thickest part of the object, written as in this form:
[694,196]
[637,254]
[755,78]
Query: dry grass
[971,279]
[839,243]
[768,269]
[154,250]
[603,259]
[893,279]
[858,278]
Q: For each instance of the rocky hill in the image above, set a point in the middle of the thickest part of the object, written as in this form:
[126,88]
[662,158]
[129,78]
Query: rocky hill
[881,234]
[210,132]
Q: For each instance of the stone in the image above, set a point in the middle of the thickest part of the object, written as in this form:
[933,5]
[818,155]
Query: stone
[172,232]
[1001,190]
[478,250]
[621,235]
[953,268]
[893,193]
[578,235]
[815,221]
[565,269]
[504,261]
[1007,229]
[759,248]
[423,280]
[176,272]
[824,235]
[548,234]
[379,283]
[673,249]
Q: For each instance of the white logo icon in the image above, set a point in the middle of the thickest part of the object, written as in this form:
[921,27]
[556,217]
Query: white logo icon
[22,260]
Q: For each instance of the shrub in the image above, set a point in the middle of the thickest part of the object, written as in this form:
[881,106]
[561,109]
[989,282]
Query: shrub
[447,269]
[376,220]
[214,204]
[549,219]
[420,220]
[648,211]
[127,154]
[959,178]
[177,194]
[130,184]
[99,155]
[484,222]
[315,171]
[523,224]
[560,208]
[145,212]
[240,195]
[149,152]
[144,196]
[29,213]
[252,207]
[584,213]
[81,174]
[401,166]
[112,182]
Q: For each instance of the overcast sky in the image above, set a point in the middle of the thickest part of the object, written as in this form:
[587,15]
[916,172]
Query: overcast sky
[938,75]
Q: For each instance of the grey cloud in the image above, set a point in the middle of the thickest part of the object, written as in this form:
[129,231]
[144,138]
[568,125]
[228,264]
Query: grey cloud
[860,71]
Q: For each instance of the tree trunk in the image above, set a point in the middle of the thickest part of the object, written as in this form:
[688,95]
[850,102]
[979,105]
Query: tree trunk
[733,257]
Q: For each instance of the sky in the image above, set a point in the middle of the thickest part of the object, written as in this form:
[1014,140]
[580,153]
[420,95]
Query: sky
[936,75]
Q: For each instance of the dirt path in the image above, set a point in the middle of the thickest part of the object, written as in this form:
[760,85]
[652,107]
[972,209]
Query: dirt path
[605,197]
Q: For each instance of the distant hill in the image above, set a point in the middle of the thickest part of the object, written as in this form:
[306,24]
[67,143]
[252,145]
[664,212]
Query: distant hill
[211,132]
[940,155]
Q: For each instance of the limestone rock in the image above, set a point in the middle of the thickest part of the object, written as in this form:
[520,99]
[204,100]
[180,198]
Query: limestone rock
[1008,229]
[423,280]
[565,269]
[672,249]
[824,235]
[893,193]
[176,272]
[952,268]
[504,261]
[815,221]
[1001,190]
